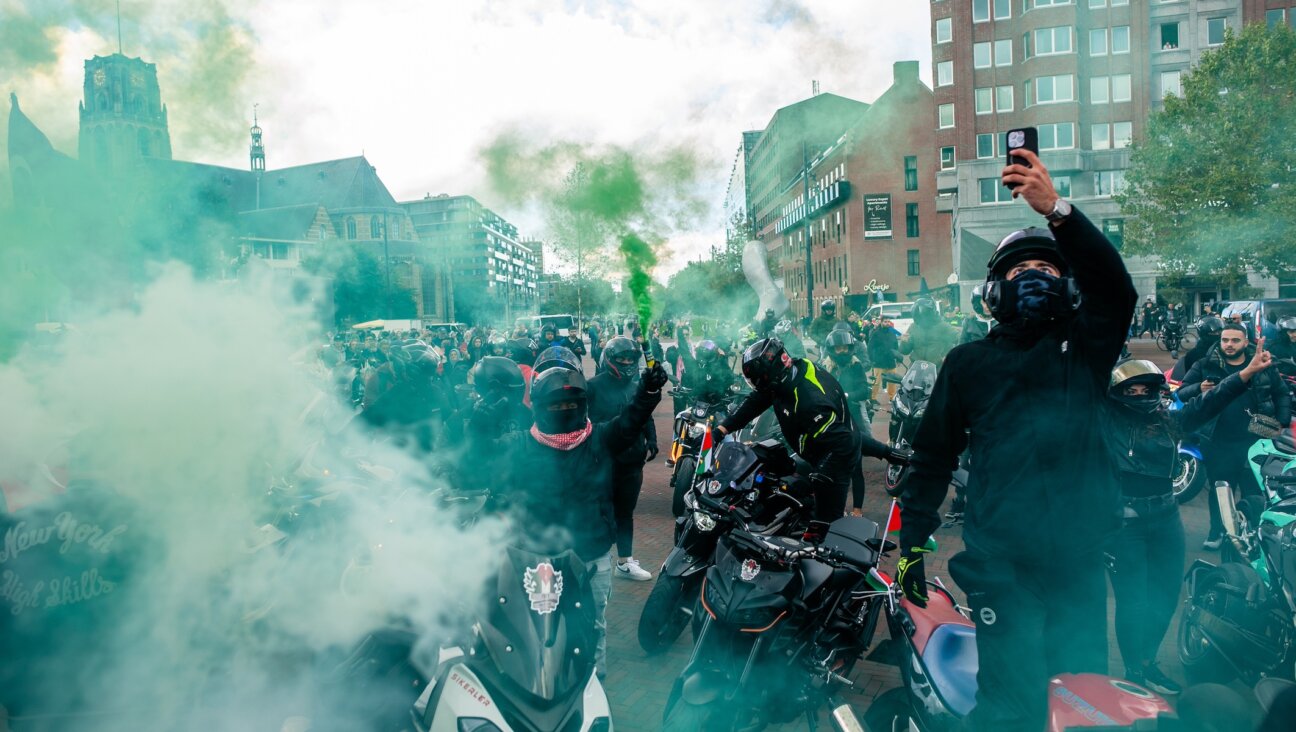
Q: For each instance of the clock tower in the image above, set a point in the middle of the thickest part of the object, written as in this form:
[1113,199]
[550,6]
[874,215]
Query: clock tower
[123,118]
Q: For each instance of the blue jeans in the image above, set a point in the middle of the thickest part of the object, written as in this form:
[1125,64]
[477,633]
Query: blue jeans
[600,574]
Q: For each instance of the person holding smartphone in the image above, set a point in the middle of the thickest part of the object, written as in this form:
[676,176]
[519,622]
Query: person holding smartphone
[1043,489]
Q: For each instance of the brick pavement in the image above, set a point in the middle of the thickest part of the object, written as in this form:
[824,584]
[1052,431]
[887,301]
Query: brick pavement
[638,685]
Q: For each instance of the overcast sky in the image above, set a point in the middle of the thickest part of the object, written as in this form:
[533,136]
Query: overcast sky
[421,85]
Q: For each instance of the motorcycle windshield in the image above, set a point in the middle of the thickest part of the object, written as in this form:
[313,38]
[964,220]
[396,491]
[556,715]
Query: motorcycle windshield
[733,464]
[539,626]
[919,379]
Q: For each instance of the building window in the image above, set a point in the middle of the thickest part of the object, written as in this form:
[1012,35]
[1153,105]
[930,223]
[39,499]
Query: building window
[1120,39]
[1171,83]
[944,73]
[1108,182]
[1169,36]
[984,100]
[1098,42]
[912,256]
[1122,134]
[1099,90]
[1062,184]
[1114,230]
[1100,137]
[1003,52]
[1275,17]
[1121,88]
[911,172]
[1097,3]
[1054,89]
[1004,98]
[1049,41]
[944,30]
[980,11]
[947,158]
[1047,3]
[985,146]
[911,220]
[1118,3]
[1057,136]
[993,192]
[351,228]
[1002,11]
[945,114]
[1215,31]
[278,251]
[981,55]
[375,229]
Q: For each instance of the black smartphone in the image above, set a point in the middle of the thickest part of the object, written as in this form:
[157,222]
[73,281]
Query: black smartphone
[1022,138]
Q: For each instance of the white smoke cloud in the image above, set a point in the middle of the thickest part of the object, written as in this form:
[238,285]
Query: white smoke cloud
[188,406]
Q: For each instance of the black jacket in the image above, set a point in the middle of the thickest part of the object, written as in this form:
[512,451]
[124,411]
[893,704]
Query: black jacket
[1146,447]
[1268,395]
[884,348]
[708,383]
[608,398]
[1029,402]
[811,410]
[564,497]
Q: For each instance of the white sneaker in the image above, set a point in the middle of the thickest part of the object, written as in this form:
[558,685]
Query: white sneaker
[630,569]
[1213,542]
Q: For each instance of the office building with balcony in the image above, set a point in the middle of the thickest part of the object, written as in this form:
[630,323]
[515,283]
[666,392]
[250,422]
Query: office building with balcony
[493,271]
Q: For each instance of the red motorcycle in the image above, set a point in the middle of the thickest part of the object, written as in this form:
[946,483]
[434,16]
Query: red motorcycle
[935,648]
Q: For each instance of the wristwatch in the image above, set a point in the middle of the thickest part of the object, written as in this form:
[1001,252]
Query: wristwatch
[1061,210]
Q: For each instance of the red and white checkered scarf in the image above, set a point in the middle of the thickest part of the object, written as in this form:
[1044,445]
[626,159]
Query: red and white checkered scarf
[564,441]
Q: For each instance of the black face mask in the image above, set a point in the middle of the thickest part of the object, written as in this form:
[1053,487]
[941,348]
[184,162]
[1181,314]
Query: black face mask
[560,421]
[1034,296]
[841,358]
[1145,404]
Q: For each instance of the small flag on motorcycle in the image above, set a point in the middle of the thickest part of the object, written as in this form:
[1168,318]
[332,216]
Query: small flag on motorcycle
[704,453]
[893,517]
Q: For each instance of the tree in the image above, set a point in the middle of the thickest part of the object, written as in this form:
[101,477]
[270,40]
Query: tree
[596,297]
[1212,187]
[359,287]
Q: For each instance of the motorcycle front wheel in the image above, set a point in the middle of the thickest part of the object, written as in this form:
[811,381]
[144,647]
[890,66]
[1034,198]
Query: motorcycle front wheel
[662,619]
[1189,478]
[894,475]
[684,471]
[1202,663]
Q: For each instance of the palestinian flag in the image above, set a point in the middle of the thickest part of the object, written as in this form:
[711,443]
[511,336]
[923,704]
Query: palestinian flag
[893,517]
[704,453]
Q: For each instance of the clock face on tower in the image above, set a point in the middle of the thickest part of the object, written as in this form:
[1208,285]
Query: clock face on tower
[100,77]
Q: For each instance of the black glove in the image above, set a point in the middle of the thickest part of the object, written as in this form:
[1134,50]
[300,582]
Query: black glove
[652,453]
[912,576]
[654,378]
[899,456]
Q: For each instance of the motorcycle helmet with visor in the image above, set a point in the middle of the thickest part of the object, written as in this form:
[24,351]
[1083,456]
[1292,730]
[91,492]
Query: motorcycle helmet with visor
[841,346]
[621,357]
[556,357]
[1015,292]
[706,353]
[766,364]
[1137,384]
[559,403]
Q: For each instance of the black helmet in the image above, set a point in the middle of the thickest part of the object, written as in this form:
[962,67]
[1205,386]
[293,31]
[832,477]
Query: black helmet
[558,401]
[1019,246]
[420,357]
[841,346]
[620,357]
[1137,371]
[766,364]
[496,378]
[925,311]
[706,352]
[828,307]
[1210,327]
[1060,299]
[496,346]
[557,356]
[522,350]
[1288,323]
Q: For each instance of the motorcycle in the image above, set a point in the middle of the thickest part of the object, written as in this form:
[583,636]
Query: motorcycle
[935,649]
[782,620]
[1240,616]
[1171,337]
[690,425]
[766,488]
[1190,467]
[907,410]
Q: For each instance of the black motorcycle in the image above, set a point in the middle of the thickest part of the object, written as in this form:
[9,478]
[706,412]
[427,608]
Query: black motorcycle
[765,489]
[1171,337]
[907,410]
[690,427]
[782,623]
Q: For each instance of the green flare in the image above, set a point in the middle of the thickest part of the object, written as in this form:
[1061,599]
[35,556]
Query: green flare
[640,259]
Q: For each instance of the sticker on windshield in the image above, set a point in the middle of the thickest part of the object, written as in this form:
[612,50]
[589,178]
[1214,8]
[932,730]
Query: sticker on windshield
[749,570]
[543,586]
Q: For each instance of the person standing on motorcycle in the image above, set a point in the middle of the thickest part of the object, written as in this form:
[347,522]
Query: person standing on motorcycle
[853,375]
[884,352]
[1043,491]
[824,324]
[610,393]
[1230,437]
[979,323]
[560,473]
[929,338]
[811,410]
[1149,551]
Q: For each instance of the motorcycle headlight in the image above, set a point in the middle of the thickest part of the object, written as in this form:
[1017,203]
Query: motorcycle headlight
[901,407]
[921,411]
[696,430]
[703,521]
